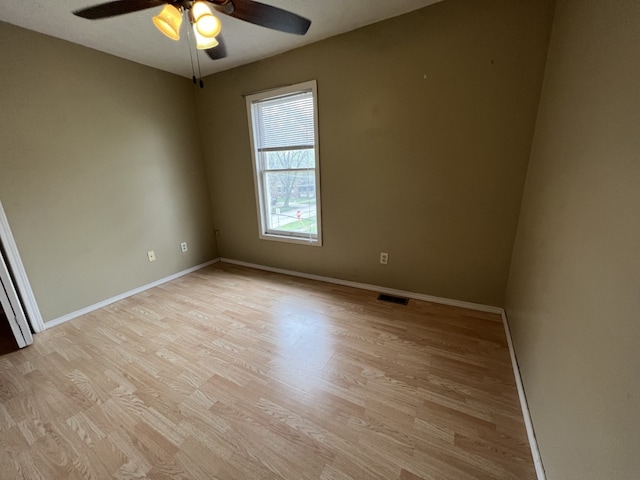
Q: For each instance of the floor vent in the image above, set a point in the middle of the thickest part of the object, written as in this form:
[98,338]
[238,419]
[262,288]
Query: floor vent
[393,299]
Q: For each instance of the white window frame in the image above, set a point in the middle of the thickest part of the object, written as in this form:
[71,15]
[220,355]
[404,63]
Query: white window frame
[259,171]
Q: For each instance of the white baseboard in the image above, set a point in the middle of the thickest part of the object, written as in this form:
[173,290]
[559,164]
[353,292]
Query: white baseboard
[533,443]
[366,286]
[122,296]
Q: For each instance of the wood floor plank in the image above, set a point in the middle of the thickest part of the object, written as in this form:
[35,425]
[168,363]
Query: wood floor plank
[234,373]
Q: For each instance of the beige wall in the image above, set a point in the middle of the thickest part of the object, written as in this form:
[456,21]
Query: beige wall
[574,291]
[430,170]
[100,161]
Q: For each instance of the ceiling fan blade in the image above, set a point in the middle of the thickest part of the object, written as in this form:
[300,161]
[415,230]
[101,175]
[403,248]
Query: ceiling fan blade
[118,7]
[219,51]
[270,17]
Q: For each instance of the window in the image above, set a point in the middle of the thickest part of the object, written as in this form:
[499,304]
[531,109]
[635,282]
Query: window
[284,132]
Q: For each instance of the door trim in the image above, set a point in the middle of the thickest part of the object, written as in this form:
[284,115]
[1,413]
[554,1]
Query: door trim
[12,308]
[20,278]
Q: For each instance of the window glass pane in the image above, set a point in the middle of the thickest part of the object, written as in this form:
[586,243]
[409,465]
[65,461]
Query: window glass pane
[291,202]
[289,159]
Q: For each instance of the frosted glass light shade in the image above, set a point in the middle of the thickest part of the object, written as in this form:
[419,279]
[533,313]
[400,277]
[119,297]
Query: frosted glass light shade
[168,21]
[207,24]
[202,42]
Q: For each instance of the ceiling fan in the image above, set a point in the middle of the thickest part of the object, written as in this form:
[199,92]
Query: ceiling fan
[206,26]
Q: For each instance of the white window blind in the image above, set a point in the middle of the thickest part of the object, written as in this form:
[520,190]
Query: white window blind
[285,122]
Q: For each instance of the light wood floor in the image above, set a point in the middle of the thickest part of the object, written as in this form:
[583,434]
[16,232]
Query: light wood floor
[232,373]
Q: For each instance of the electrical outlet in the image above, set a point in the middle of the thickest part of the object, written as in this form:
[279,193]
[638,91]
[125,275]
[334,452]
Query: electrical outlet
[183,247]
[151,255]
[384,258]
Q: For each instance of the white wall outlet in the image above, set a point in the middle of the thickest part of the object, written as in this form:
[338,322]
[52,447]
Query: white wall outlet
[151,255]
[384,258]
[184,247]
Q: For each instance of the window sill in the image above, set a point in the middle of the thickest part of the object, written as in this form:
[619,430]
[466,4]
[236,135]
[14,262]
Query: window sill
[317,242]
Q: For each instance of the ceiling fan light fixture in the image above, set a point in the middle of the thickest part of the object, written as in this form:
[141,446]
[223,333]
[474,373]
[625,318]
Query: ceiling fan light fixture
[206,23]
[202,42]
[168,21]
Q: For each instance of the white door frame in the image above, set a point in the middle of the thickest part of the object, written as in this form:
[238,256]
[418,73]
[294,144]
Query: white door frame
[12,308]
[21,281]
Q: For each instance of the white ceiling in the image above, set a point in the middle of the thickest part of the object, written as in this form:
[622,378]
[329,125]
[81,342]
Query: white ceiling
[134,37]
